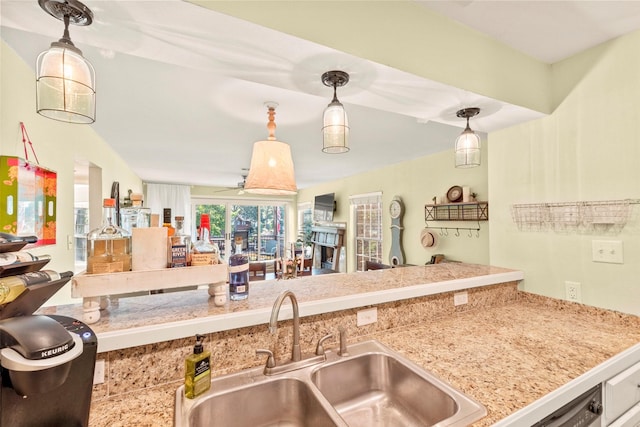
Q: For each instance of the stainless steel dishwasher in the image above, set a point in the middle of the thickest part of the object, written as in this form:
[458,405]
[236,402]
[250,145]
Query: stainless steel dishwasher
[584,411]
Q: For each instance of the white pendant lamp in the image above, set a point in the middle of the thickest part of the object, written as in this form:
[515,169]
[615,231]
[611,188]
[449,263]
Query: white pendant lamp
[65,80]
[467,148]
[335,124]
[271,171]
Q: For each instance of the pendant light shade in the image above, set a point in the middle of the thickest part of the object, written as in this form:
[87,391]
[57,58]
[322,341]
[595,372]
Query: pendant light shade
[271,171]
[335,124]
[65,80]
[467,149]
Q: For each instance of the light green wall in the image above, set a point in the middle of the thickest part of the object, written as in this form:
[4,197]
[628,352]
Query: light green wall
[408,37]
[588,149]
[416,182]
[57,145]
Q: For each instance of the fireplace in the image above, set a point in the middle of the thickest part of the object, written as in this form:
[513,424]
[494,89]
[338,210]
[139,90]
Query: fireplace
[327,246]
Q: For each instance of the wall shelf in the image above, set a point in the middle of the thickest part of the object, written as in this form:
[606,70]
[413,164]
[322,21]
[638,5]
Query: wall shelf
[466,211]
[590,216]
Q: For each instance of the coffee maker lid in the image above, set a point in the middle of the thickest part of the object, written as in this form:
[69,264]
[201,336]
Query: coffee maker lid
[35,337]
[13,361]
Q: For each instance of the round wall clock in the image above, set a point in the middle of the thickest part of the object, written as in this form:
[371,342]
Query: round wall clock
[454,195]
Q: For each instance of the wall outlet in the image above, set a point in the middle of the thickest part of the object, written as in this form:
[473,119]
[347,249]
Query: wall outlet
[98,373]
[607,251]
[573,291]
[460,298]
[365,317]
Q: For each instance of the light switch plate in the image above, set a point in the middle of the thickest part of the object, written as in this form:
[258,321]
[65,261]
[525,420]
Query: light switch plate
[609,251]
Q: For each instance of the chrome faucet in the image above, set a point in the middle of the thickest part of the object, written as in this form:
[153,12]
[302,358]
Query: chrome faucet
[296,354]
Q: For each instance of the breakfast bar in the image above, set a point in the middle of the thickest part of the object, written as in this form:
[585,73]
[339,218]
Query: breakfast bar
[503,347]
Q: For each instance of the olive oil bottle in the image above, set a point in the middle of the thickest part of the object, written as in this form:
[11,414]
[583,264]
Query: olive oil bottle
[197,376]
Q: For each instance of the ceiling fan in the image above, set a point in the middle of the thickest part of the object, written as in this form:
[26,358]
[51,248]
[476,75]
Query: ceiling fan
[239,186]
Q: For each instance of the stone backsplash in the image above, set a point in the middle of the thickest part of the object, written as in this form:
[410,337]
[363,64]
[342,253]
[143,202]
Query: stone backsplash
[140,369]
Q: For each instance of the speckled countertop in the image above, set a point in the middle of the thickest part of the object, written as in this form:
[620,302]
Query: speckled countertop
[135,320]
[505,357]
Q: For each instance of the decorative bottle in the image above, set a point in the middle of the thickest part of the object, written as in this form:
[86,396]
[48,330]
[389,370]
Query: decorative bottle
[179,246]
[109,246]
[8,258]
[166,221]
[12,286]
[238,275]
[204,252]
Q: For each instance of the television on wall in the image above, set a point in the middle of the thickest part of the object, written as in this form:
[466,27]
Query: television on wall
[323,207]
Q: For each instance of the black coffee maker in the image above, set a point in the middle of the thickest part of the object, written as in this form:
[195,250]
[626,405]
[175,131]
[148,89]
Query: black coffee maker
[46,363]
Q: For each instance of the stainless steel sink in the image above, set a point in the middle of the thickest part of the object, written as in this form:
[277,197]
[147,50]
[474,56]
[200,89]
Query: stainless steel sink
[282,402]
[380,390]
[372,386]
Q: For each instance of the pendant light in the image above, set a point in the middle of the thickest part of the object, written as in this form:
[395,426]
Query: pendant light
[65,80]
[468,143]
[271,170]
[335,127]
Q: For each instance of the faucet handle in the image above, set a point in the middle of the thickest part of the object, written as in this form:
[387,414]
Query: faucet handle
[319,347]
[271,361]
[343,342]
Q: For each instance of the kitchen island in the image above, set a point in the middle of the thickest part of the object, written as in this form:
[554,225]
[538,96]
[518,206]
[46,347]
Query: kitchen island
[505,348]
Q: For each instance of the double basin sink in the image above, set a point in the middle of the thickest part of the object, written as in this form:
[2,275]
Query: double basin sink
[371,386]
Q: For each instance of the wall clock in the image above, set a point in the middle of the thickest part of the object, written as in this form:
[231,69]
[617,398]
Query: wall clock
[396,211]
[454,194]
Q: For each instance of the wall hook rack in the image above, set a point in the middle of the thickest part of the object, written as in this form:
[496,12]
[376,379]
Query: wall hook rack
[444,231]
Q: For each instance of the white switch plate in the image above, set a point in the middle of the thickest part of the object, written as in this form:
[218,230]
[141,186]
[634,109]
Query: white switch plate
[98,373]
[460,298]
[367,316]
[607,251]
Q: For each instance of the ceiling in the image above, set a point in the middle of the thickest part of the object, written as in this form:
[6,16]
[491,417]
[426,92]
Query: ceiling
[183,103]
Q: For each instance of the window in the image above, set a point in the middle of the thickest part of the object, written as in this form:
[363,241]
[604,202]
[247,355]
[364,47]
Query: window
[305,222]
[366,211]
[260,228]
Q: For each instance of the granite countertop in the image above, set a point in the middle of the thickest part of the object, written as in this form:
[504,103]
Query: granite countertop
[506,357]
[139,320]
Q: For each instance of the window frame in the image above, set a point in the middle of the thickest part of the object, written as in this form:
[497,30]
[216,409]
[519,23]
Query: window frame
[367,228]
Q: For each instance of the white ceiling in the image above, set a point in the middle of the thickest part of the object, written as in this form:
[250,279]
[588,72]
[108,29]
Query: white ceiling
[195,123]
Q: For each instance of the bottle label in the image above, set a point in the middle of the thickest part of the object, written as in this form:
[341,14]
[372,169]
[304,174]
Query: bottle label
[107,267]
[202,367]
[238,268]
[202,259]
[238,289]
[34,277]
[178,256]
